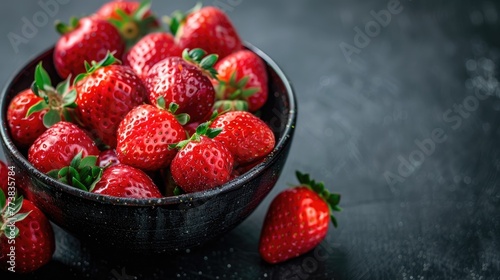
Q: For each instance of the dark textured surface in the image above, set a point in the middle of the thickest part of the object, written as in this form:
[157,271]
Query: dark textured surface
[357,122]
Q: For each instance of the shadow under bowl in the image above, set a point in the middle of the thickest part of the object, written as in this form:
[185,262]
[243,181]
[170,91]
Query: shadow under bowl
[169,224]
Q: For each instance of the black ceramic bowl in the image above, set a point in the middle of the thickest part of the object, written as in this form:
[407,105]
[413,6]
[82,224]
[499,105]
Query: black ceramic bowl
[159,225]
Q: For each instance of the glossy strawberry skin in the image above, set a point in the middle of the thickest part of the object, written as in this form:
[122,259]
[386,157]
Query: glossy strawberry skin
[201,166]
[296,222]
[151,49]
[178,81]
[246,136]
[58,145]
[105,97]
[144,136]
[245,63]
[4,177]
[125,181]
[107,159]
[35,244]
[90,40]
[24,130]
[209,29]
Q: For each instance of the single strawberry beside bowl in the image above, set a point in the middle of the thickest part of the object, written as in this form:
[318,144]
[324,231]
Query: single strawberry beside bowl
[297,220]
[85,39]
[26,233]
[208,28]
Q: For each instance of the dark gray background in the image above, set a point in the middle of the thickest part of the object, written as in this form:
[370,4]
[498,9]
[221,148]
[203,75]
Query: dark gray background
[357,122]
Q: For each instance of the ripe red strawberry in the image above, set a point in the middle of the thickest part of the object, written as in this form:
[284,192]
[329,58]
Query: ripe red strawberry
[151,49]
[132,18]
[297,220]
[106,93]
[107,159]
[246,136]
[4,177]
[24,130]
[58,145]
[242,76]
[33,246]
[144,136]
[183,81]
[87,39]
[33,110]
[125,181]
[207,28]
[201,163]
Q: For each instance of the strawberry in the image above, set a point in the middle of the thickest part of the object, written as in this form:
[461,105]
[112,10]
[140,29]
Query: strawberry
[297,220]
[201,163]
[242,76]
[125,181]
[207,28]
[87,39]
[184,81]
[33,110]
[58,145]
[26,234]
[107,158]
[4,177]
[246,136]
[145,134]
[133,19]
[24,130]
[150,50]
[106,93]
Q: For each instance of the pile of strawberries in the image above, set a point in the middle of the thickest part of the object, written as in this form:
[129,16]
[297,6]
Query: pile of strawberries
[140,103]
[140,108]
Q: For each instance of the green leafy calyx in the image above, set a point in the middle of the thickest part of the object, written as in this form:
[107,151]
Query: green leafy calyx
[182,118]
[203,129]
[82,173]
[135,26]
[332,199]
[108,60]
[177,19]
[63,28]
[58,101]
[235,89]
[9,215]
[205,62]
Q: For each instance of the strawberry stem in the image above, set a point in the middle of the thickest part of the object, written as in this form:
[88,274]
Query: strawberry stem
[332,199]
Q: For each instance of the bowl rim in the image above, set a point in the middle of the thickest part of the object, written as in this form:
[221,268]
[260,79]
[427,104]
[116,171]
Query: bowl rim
[164,201]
